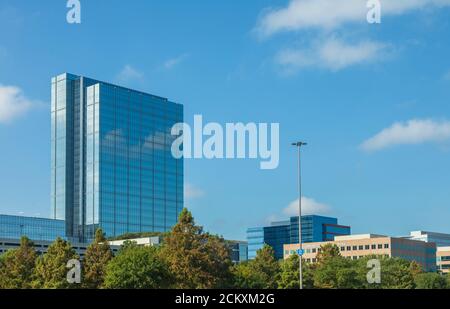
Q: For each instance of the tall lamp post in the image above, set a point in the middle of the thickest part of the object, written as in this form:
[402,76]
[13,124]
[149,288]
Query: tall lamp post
[300,253]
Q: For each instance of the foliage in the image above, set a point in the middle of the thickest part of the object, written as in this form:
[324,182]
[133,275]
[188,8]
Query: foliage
[137,267]
[96,258]
[289,274]
[196,259]
[51,271]
[430,281]
[261,273]
[17,266]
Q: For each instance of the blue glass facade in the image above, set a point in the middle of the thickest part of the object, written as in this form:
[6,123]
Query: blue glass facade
[314,229]
[14,227]
[112,165]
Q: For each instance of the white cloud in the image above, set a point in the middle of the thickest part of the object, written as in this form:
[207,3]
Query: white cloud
[412,132]
[309,207]
[192,192]
[129,73]
[13,103]
[171,63]
[332,54]
[330,14]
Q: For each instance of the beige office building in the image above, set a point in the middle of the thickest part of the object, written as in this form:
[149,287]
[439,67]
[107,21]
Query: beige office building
[358,246]
[443,259]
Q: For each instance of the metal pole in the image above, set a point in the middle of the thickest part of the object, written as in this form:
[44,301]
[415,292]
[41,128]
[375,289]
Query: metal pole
[300,215]
[300,255]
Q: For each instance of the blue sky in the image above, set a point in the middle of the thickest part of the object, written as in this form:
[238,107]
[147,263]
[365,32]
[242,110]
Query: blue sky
[371,100]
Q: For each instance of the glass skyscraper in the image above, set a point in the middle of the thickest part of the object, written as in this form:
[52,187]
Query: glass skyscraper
[112,165]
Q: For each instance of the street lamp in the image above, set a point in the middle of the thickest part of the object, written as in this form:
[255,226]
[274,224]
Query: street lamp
[299,146]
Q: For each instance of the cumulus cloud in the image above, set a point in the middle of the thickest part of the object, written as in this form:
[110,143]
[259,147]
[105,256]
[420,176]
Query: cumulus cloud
[171,63]
[412,132]
[192,192]
[13,103]
[332,54]
[309,207]
[128,73]
[331,14]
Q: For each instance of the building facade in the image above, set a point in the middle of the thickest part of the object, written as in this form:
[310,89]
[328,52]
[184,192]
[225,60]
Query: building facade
[112,165]
[443,259]
[37,229]
[358,246]
[239,251]
[441,239]
[314,229]
[41,246]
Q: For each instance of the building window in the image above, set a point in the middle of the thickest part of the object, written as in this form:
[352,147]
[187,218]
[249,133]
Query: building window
[361,248]
[374,247]
[380,246]
[349,248]
[386,246]
[314,250]
[342,248]
[367,247]
[355,248]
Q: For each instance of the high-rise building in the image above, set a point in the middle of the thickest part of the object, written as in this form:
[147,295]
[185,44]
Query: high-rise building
[111,164]
[314,229]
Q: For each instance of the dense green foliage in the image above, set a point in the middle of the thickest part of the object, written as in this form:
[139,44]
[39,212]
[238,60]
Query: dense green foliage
[51,269]
[197,260]
[261,273]
[190,258]
[137,267]
[96,258]
[17,266]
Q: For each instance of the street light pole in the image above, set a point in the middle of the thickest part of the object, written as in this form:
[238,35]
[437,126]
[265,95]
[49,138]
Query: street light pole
[299,146]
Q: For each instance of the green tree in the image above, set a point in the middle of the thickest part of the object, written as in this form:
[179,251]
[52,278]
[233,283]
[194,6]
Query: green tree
[430,281]
[97,257]
[17,266]
[137,267]
[51,269]
[337,273]
[197,260]
[396,274]
[327,252]
[289,274]
[261,273]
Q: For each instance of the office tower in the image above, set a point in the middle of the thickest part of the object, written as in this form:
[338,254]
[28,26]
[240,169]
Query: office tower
[314,228]
[111,163]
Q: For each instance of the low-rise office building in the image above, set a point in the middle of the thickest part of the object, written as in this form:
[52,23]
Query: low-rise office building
[357,246]
[41,246]
[443,259]
[37,229]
